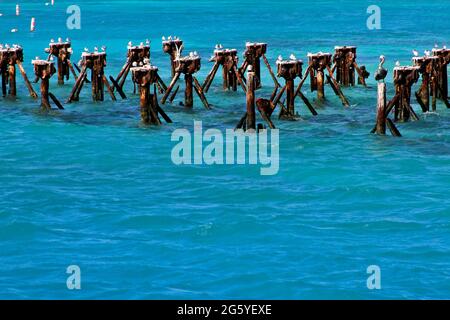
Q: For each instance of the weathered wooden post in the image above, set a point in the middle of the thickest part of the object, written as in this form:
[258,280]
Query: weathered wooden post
[137,56]
[173,47]
[252,57]
[96,62]
[227,58]
[250,98]
[145,77]
[318,63]
[44,70]
[404,78]
[62,51]
[188,66]
[381,109]
[290,70]
[345,65]
[384,110]
[9,58]
[428,67]
[442,75]
[265,107]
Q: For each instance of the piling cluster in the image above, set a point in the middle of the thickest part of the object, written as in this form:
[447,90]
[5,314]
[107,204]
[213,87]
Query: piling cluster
[336,70]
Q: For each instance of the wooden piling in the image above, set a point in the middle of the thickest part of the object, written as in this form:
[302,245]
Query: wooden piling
[289,70]
[318,63]
[9,58]
[188,94]
[381,109]
[96,63]
[145,77]
[62,51]
[173,47]
[188,66]
[44,70]
[250,98]
[404,78]
[442,74]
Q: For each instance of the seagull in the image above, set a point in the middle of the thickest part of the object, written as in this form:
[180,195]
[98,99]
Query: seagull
[444,47]
[415,53]
[381,72]
[135,64]
[169,38]
[397,64]
[86,50]
[141,44]
[163,38]
[52,41]
[146,61]
[195,53]
[130,44]
[191,54]
[216,47]
[147,42]
[427,53]
[67,39]
[104,48]
[220,46]
[95,49]
[280,58]
[59,39]
[292,57]
[436,45]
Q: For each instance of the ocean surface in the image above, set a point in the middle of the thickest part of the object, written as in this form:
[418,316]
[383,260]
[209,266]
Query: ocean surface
[93,187]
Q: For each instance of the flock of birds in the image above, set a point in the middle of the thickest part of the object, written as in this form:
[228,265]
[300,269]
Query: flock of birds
[381,72]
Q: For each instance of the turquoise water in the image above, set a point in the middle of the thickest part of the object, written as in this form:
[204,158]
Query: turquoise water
[90,186]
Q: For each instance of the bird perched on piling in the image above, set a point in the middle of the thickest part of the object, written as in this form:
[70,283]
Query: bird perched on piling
[381,72]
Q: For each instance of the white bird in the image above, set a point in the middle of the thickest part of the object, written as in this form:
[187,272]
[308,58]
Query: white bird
[104,48]
[163,38]
[427,53]
[95,49]
[191,54]
[67,39]
[52,40]
[135,64]
[169,38]
[415,53]
[220,46]
[52,59]
[436,45]
[445,47]
[146,61]
[130,44]
[280,58]
[141,44]
[397,64]
[86,50]
[216,47]
[292,57]
[59,39]
[195,53]
[147,42]
[37,58]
